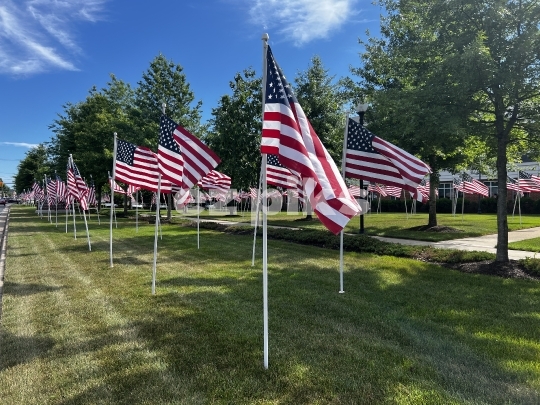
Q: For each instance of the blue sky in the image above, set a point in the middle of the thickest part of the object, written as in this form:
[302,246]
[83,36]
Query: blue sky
[52,52]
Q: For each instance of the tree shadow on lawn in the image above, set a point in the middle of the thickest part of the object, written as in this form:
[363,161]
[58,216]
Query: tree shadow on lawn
[16,349]
[26,289]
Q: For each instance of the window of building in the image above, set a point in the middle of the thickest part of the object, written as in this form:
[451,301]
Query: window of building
[493,188]
[445,190]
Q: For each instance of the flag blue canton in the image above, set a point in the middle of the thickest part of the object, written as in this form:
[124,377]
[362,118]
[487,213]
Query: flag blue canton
[125,152]
[359,138]
[278,89]
[166,139]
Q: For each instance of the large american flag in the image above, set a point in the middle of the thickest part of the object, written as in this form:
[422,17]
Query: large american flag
[138,166]
[199,159]
[215,181]
[288,133]
[76,188]
[170,160]
[527,183]
[473,186]
[369,157]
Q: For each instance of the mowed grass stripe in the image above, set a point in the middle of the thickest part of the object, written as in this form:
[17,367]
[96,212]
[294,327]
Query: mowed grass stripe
[405,332]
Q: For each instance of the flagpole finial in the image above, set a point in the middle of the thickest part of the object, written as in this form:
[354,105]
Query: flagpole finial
[163,106]
[115,134]
[265,36]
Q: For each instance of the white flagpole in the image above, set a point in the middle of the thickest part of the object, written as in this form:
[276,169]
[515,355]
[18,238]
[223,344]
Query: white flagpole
[66,207]
[462,204]
[136,211]
[56,198]
[112,204]
[158,198]
[345,136]
[405,196]
[198,212]
[257,210]
[265,220]
[87,233]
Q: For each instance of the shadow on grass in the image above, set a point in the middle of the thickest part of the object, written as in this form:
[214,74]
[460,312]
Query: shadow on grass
[16,349]
[22,290]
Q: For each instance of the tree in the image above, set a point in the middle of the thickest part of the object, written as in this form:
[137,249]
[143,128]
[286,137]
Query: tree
[86,130]
[415,103]
[235,130]
[32,168]
[165,82]
[475,60]
[322,102]
[497,45]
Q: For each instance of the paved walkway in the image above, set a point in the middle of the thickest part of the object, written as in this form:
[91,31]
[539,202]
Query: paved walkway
[484,243]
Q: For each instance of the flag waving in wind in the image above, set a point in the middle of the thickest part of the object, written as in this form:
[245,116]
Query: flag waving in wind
[369,157]
[288,134]
[170,160]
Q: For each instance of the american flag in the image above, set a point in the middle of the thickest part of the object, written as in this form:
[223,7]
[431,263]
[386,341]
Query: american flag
[132,189]
[354,190]
[288,134]
[512,184]
[473,186]
[115,187]
[369,157]
[393,191]
[457,184]
[76,189]
[422,191]
[216,181]
[253,193]
[92,193]
[37,192]
[527,183]
[376,188]
[51,191]
[170,160]
[199,159]
[81,184]
[278,175]
[138,166]
[61,190]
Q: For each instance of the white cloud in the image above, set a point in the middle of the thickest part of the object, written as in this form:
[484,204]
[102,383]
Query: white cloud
[302,20]
[37,35]
[21,144]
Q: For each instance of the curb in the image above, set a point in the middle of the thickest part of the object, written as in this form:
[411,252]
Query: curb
[3,246]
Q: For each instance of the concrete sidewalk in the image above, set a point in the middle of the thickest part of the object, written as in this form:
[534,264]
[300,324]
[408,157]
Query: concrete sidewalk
[484,243]
[3,244]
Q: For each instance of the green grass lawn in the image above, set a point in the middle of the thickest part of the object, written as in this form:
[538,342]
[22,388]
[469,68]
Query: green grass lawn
[76,331]
[397,225]
[530,245]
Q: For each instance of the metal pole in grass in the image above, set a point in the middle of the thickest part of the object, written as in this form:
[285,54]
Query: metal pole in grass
[158,203]
[257,210]
[112,202]
[265,219]
[345,135]
[198,213]
[156,235]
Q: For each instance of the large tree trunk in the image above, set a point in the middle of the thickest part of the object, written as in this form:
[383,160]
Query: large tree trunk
[433,186]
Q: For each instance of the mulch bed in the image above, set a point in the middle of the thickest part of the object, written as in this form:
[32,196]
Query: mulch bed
[512,269]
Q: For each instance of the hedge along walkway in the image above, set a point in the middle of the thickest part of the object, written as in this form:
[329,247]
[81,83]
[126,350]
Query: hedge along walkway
[484,243]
